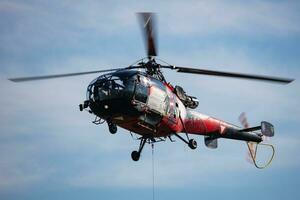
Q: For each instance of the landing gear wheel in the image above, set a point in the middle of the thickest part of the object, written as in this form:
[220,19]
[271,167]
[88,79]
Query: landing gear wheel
[192,144]
[135,155]
[112,128]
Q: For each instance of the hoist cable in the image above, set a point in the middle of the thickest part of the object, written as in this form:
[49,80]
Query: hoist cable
[153,180]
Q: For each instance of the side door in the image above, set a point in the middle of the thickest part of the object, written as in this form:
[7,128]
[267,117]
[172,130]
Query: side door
[141,91]
[156,100]
[172,111]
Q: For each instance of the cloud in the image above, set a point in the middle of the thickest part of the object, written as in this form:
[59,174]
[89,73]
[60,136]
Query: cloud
[47,117]
[62,22]
[44,138]
[180,167]
[251,18]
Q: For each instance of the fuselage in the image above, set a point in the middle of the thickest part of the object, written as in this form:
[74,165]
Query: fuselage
[146,106]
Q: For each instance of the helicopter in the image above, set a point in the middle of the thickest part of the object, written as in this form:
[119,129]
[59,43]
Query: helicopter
[139,99]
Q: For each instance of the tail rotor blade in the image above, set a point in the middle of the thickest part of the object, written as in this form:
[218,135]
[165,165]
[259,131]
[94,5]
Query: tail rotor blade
[243,120]
[251,145]
[251,155]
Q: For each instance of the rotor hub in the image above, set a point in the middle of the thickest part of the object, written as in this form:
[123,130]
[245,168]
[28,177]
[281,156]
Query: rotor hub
[153,69]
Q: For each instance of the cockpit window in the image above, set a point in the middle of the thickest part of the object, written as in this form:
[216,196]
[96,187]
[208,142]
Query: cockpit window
[141,93]
[109,87]
[141,89]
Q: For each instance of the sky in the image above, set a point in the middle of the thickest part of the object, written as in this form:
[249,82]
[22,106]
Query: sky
[50,150]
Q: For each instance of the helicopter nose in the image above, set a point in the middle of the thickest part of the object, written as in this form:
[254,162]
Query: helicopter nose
[105,98]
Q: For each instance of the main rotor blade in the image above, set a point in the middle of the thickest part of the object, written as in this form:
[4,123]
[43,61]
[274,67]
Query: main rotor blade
[231,74]
[35,78]
[148,25]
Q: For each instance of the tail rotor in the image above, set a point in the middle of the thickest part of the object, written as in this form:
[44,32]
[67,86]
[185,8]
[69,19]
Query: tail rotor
[267,131]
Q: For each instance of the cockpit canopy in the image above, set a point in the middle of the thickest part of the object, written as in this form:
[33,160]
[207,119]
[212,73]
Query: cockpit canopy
[111,86]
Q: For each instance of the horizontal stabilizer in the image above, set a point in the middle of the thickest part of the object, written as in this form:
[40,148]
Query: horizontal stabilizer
[211,142]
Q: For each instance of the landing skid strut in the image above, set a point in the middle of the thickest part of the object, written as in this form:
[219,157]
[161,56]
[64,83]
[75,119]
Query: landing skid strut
[135,155]
[190,142]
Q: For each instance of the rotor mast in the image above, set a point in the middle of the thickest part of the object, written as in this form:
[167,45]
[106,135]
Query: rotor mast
[148,26]
[153,69]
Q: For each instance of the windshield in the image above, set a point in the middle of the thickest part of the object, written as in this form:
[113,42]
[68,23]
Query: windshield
[110,87]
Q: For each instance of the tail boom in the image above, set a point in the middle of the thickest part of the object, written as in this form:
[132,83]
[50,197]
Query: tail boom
[212,129]
[236,134]
[200,124]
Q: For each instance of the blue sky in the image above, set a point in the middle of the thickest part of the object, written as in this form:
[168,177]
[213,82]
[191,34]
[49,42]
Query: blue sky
[50,150]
